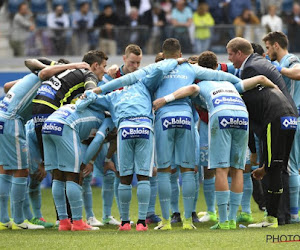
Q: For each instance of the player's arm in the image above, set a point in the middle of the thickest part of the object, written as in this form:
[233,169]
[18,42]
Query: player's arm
[8,85]
[34,65]
[49,71]
[102,132]
[292,73]
[90,80]
[252,82]
[191,90]
[213,75]
[133,77]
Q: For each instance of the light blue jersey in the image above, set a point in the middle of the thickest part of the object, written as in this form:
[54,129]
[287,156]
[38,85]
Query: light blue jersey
[228,123]
[85,123]
[17,103]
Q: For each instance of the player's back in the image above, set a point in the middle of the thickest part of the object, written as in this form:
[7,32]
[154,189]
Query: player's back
[219,95]
[183,75]
[17,102]
[84,122]
[293,86]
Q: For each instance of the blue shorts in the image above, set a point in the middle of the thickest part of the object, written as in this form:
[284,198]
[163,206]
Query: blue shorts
[175,135]
[203,132]
[294,161]
[13,146]
[135,148]
[34,156]
[228,139]
[62,147]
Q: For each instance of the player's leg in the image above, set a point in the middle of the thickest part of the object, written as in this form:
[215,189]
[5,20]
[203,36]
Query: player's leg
[5,188]
[175,187]
[196,174]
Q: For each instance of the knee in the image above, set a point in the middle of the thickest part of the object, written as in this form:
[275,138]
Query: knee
[126,180]
[142,178]
[209,173]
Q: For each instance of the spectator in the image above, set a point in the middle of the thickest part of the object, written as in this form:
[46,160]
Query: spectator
[155,18]
[202,21]
[58,22]
[21,27]
[243,24]
[294,28]
[264,6]
[181,21]
[141,5]
[107,21]
[218,10]
[236,7]
[271,21]
[167,6]
[83,21]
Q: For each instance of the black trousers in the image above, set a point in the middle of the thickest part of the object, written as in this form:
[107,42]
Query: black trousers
[277,142]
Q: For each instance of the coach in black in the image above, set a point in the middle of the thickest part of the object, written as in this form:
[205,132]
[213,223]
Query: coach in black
[273,117]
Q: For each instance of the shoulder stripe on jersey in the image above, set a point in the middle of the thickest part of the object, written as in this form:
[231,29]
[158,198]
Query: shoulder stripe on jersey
[45,103]
[71,90]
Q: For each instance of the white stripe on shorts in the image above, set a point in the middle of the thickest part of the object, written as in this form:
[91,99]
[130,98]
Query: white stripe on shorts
[76,167]
[18,149]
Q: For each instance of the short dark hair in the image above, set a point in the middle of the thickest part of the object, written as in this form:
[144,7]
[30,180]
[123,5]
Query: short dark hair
[193,59]
[134,49]
[257,48]
[94,56]
[171,46]
[208,59]
[277,36]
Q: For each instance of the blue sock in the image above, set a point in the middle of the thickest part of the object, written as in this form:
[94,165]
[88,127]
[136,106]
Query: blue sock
[164,193]
[18,190]
[26,206]
[175,192]
[107,194]
[234,203]
[247,193]
[143,195]
[5,187]
[196,175]
[87,196]
[229,181]
[58,192]
[299,193]
[222,198]
[35,197]
[294,195]
[153,195]
[116,190]
[74,194]
[209,194]
[188,192]
[125,193]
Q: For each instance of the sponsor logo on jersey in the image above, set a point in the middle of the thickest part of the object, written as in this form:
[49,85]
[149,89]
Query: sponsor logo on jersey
[133,133]
[63,113]
[3,106]
[219,91]
[39,119]
[233,122]
[53,83]
[53,128]
[176,122]
[1,127]
[138,119]
[47,91]
[228,100]
[173,74]
[288,122]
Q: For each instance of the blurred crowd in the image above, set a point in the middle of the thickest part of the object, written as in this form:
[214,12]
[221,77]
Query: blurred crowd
[65,27]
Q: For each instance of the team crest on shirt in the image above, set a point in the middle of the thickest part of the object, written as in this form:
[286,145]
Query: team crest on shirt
[1,127]
[53,128]
[176,122]
[228,100]
[233,122]
[135,132]
[288,122]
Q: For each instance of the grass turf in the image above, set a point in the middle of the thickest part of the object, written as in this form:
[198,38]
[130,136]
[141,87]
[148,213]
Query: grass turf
[108,237]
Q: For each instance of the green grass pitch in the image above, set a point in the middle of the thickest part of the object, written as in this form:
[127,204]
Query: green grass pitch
[108,237]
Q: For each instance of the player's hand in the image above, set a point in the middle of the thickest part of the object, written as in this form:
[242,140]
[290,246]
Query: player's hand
[109,166]
[40,173]
[259,173]
[158,103]
[112,71]
[196,169]
[87,169]
[181,60]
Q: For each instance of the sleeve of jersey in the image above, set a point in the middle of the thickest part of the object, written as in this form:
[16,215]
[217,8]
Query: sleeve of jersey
[240,87]
[82,104]
[214,75]
[90,81]
[105,79]
[102,132]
